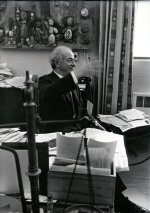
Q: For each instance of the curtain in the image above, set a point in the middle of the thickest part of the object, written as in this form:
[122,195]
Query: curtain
[115,55]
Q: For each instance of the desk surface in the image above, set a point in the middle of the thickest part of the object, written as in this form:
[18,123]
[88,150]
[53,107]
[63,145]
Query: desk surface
[137,179]
[132,133]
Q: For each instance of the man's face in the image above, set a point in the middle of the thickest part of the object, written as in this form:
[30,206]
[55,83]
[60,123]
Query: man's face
[67,62]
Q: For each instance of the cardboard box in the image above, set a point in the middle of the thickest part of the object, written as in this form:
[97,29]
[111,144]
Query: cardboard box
[103,185]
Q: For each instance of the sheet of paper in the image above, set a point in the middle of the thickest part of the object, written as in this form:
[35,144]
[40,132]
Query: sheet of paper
[93,132]
[138,123]
[89,107]
[45,137]
[132,114]
[120,158]
[106,141]
[18,81]
[99,157]
[81,169]
[68,145]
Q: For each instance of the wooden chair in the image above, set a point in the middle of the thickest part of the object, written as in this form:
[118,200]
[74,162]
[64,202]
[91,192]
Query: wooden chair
[19,176]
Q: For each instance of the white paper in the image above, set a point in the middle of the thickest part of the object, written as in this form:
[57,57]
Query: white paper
[105,141]
[81,169]
[94,171]
[89,107]
[68,145]
[138,123]
[12,135]
[120,158]
[93,132]
[45,137]
[115,121]
[18,81]
[4,69]
[121,122]
[99,157]
[132,114]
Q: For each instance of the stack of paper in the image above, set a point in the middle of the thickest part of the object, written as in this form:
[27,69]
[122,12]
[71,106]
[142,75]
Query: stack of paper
[5,73]
[8,80]
[18,81]
[126,120]
[131,115]
[4,70]
[12,135]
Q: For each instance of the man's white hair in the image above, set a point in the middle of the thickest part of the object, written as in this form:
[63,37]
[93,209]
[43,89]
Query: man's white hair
[57,54]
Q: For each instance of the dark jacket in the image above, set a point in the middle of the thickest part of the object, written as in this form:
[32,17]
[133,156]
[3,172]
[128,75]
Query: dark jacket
[55,102]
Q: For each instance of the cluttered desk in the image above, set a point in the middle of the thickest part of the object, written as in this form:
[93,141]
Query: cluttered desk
[64,163]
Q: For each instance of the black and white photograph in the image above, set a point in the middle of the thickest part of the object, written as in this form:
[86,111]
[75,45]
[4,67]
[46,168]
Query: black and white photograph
[75,106]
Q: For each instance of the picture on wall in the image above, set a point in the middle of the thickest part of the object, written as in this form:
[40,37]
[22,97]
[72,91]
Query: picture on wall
[45,24]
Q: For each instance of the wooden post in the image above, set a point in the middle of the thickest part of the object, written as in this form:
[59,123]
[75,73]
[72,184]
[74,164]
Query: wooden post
[33,170]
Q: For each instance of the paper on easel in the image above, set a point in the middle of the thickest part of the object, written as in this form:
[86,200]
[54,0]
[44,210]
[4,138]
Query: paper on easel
[68,145]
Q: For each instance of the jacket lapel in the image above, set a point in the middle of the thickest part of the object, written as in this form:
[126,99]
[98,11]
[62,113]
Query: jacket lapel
[53,76]
[72,100]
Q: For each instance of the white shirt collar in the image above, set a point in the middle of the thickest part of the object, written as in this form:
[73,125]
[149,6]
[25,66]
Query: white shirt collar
[60,76]
[73,76]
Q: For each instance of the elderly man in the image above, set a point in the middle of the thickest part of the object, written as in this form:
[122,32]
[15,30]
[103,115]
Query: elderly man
[60,97]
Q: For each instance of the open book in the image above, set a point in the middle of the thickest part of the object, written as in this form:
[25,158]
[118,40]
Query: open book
[101,150]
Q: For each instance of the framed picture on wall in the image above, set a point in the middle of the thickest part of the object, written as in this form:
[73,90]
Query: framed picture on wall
[45,24]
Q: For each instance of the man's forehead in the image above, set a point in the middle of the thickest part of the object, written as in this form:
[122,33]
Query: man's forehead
[69,54]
